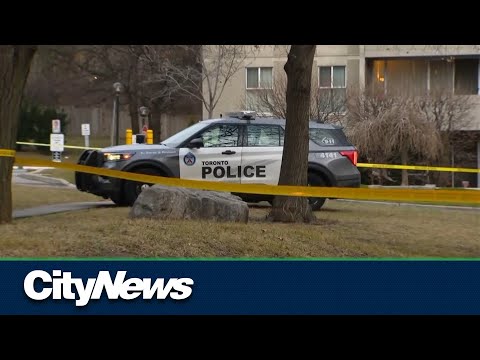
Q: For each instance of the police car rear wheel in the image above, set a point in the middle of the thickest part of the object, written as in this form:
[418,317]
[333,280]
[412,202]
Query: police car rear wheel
[313,180]
[316,180]
[133,188]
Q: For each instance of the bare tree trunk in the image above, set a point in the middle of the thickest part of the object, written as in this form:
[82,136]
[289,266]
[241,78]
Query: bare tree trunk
[15,63]
[404,156]
[295,152]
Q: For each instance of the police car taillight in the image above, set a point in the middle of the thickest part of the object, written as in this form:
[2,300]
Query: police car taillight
[352,155]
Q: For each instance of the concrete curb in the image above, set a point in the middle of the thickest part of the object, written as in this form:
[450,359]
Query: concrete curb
[32,168]
[447,207]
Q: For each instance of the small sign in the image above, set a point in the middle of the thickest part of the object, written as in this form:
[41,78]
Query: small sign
[328,141]
[56,156]
[85,129]
[56,142]
[56,126]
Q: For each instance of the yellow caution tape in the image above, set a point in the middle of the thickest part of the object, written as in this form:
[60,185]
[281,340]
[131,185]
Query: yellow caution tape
[364,165]
[415,167]
[468,196]
[7,152]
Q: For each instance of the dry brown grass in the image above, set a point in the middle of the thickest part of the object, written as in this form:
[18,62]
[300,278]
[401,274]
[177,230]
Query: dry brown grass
[27,196]
[345,230]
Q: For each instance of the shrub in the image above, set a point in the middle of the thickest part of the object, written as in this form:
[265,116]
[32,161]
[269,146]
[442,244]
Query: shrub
[35,123]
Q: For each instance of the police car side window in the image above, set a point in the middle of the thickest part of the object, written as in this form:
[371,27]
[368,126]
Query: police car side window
[264,135]
[328,137]
[223,135]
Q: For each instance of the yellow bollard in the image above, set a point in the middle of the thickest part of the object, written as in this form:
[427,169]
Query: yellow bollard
[149,136]
[128,137]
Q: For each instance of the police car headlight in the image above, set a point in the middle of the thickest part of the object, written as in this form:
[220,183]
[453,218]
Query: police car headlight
[117,156]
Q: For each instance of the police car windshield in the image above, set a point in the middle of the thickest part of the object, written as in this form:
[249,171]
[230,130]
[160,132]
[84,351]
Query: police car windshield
[178,138]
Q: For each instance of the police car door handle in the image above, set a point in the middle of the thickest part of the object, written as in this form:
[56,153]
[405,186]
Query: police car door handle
[228,152]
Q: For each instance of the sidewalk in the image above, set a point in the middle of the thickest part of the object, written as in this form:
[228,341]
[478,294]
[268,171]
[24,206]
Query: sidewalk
[31,178]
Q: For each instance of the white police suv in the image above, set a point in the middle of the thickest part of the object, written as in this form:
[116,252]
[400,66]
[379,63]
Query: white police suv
[240,148]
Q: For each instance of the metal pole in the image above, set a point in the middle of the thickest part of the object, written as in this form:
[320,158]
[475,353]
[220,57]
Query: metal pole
[117,122]
[478,163]
[112,133]
[453,165]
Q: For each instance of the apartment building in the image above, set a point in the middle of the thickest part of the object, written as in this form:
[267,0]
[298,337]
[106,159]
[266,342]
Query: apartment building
[387,69]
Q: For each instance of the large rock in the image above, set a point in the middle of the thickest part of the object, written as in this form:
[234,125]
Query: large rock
[168,202]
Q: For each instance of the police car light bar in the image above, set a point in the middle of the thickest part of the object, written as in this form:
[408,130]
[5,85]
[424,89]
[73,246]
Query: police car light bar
[244,115]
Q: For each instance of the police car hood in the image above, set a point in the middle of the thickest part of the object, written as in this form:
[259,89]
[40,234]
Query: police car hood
[134,147]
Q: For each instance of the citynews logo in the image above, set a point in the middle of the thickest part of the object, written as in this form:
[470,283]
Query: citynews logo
[60,285]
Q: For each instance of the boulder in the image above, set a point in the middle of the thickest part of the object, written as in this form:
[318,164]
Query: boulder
[168,202]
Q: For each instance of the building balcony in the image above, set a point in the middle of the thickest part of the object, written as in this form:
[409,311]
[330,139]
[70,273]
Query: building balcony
[382,51]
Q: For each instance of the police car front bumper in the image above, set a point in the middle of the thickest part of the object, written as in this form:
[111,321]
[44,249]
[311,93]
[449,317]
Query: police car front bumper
[95,184]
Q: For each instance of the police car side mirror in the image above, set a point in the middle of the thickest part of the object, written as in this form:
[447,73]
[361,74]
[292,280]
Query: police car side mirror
[195,143]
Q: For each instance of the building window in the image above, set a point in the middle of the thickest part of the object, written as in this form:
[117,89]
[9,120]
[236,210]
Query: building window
[332,77]
[259,88]
[332,88]
[440,76]
[378,69]
[466,76]
[259,78]
[425,76]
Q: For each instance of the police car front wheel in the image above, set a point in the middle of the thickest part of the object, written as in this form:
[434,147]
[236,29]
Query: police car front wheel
[133,188]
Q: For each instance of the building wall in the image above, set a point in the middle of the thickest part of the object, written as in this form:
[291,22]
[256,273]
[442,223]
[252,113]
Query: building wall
[173,123]
[234,95]
[356,58]
[473,123]
[428,75]
[100,120]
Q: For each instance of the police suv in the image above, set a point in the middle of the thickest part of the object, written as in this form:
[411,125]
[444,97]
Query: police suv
[240,148]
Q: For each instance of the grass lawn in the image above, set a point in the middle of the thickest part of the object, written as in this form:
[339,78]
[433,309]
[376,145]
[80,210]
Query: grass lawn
[42,156]
[344,230]
[26,196]
[60,174]
[57,173]
[95,142]
[69,155]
